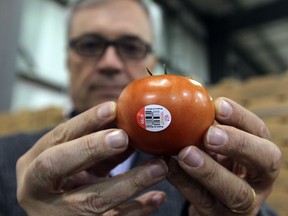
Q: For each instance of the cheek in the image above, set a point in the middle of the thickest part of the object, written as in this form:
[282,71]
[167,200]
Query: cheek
[79,72]
[137,73]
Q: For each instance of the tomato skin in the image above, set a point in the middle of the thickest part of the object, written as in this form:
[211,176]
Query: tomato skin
[189,103]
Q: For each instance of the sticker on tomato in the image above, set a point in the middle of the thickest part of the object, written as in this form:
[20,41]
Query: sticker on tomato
[154,118]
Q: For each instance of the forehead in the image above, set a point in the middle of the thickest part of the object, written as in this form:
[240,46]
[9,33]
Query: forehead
[112,19]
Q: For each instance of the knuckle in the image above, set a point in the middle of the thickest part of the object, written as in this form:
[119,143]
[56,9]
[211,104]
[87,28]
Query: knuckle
[138,182]
[85,205]
[210,174]
[20,189]
[263,130]
[275,160]
[242,144]
[240,117]
[19,164]
[21,198]
[44,169]
[60,134]
[206,200]
[89,148]
[95,203]
[243,200]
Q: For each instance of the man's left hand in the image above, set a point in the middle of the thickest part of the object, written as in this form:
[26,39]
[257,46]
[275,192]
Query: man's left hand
[234,171]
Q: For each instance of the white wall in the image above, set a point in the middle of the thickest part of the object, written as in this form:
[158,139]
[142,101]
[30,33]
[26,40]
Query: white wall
[42,36]
[28,95]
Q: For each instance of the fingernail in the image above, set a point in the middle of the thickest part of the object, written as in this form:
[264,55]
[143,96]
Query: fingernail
[116,139]
[216,136]
[106,110]
[157,169]
[192,210]
[158,199]
[225,109]
[193,157]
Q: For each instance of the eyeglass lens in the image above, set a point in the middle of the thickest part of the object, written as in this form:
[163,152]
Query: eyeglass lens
[130,47]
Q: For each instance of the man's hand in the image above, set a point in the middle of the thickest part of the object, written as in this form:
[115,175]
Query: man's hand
[233,173]
[67,171]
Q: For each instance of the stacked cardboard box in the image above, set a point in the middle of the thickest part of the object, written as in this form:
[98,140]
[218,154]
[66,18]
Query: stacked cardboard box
[30,121]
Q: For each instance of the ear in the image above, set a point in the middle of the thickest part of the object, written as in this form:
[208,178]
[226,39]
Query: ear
[67,59]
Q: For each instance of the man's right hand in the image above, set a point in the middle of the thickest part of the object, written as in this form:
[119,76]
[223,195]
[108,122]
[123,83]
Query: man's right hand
[67,171]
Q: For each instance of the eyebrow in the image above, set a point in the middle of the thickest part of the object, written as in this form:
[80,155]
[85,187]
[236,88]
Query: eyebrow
[128,36]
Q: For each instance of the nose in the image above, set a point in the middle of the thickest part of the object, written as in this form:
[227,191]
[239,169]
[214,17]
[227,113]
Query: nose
[110,63]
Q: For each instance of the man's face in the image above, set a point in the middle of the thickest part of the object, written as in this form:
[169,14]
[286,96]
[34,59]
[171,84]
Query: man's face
[96,79]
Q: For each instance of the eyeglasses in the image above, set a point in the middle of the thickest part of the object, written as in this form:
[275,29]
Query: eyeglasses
[127,47]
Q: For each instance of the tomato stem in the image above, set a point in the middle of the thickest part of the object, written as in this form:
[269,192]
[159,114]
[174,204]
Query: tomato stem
[149,72]
[165,69]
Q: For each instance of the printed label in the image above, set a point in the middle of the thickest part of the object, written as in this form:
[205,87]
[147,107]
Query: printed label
[154,118]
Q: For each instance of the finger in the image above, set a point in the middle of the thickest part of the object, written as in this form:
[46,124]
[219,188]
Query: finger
[191,189]
[230,113]
[192,211]
[108,194]
[202,202]
[255,153]
[110,163]
[55,164]
[88,122]
[237,195]
[142,205]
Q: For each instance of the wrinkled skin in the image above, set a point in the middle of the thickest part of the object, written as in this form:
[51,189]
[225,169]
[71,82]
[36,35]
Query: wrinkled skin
[64,173]
[215,179]
[237,156]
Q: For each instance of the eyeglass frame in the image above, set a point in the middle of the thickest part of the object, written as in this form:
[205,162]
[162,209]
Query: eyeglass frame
[114,43]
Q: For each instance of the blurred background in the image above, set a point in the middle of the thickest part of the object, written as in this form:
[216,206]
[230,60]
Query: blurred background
[210,39]
[237,48]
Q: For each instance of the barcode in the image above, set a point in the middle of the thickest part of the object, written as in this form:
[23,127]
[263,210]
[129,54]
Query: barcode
[152,118]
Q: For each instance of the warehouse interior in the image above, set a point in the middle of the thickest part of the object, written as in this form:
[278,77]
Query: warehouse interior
[243,38]
[208,39]
[237,48]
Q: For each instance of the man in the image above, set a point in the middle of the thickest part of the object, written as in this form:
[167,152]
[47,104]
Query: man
[68,170]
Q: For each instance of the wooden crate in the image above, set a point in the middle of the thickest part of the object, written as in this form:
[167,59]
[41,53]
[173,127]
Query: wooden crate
[30,121]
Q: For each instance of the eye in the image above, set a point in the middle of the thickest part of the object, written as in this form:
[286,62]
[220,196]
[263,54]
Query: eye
[133,48]
[89,46]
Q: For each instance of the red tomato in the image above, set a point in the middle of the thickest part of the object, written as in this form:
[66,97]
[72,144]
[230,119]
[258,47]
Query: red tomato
[162,114]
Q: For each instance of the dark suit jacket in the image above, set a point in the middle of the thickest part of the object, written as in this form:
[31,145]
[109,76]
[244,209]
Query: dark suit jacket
[12,147]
